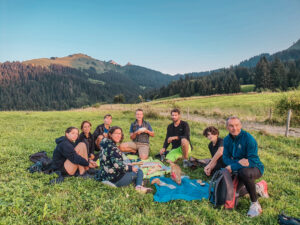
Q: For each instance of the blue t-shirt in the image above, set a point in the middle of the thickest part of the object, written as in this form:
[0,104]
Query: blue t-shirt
[105,130]
[131,128]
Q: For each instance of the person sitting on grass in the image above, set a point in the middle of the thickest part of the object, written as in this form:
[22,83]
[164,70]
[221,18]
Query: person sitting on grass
[216,150]
[67,158]
[240,156]
[113,168]
[87,138]
[140,131]
[102,130]
[178,133]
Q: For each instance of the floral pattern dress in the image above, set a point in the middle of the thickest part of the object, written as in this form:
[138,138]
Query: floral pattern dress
[112,165]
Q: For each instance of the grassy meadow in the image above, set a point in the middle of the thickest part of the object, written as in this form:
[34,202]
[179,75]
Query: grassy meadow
[248,106]
[28,198]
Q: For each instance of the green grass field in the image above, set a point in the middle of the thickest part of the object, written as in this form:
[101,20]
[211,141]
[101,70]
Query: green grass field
[251,106]
[247,88]
[28,198]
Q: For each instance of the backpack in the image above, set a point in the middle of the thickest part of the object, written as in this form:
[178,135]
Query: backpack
[42,163]
[222,189]
[287,220]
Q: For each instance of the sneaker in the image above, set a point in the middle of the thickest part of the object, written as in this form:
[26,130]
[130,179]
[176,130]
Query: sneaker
[254,210]
[143,190]
[57,180]
[262,189]
[106,182]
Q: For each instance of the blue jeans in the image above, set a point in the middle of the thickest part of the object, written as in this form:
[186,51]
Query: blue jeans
[129,177]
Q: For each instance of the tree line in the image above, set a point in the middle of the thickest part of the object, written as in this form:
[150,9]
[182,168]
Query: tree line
[28,87]
[266,75]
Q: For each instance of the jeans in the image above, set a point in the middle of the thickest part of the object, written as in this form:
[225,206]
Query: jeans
[129,177]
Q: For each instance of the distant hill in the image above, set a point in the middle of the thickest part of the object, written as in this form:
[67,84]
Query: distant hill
[291,53]
[295,46]
[143,77]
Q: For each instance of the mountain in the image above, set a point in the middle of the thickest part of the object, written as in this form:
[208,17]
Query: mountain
[59,83]
[144,78]
[291,53]
[295,46]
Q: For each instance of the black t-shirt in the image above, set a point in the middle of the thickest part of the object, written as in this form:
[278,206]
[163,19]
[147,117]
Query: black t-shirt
[213,150]
[90,143]
[182,131]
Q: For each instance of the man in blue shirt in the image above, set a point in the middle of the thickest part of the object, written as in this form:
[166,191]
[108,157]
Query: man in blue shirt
[140,131]
[240,156]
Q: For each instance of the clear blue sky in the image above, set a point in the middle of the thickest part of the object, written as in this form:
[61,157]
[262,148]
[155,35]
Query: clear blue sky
[172,36]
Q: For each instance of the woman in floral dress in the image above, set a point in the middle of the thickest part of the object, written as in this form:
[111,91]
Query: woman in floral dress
[112,166]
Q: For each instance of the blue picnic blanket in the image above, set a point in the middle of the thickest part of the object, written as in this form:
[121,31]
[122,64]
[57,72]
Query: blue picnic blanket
[188,190]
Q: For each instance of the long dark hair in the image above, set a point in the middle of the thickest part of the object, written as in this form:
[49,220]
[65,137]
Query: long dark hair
[69,129]
[86,121]
[112,130]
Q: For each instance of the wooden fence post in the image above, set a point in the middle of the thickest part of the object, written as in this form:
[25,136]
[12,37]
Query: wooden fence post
[188,113]
[288,120]
[270,114]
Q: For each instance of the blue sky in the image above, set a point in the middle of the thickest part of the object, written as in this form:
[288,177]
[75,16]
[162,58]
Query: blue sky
[172,36]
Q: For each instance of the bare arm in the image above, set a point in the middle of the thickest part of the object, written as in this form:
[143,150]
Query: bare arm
[216,157]
[151,133]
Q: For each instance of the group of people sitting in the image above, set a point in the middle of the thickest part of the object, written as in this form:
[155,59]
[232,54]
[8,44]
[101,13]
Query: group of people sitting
[76,154]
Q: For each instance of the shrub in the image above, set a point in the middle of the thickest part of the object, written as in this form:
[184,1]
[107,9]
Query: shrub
[290,100]
[152,115]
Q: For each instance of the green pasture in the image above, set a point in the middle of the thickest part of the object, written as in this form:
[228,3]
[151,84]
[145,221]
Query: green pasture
[28,198]
[251,106]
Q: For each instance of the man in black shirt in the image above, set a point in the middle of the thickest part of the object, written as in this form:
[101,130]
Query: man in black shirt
[102,130]
[216,150]
[178,133]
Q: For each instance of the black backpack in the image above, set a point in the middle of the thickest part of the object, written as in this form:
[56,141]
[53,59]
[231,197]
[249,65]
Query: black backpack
[222,189]
[42,163]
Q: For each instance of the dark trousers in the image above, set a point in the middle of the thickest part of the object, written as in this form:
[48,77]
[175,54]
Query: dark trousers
[129,177]
[247,177]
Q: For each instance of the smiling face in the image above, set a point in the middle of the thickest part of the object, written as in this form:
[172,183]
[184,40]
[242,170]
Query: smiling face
[116,136]
[72,135]
[86,128]
[139,115]
[234,126]
[212,137]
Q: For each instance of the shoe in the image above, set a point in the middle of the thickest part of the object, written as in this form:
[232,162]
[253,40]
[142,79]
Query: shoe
[57,180]
[186,163]
[254,210]
[262,189]
[106,182]
[143,190]
[86,175]
[92,171]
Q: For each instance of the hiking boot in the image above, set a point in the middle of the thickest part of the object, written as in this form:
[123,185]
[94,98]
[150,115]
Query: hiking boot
[254,210]
[262,189]
[143,190]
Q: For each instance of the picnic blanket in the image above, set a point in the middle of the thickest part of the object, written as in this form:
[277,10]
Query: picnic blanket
[188,190]
[151,164]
